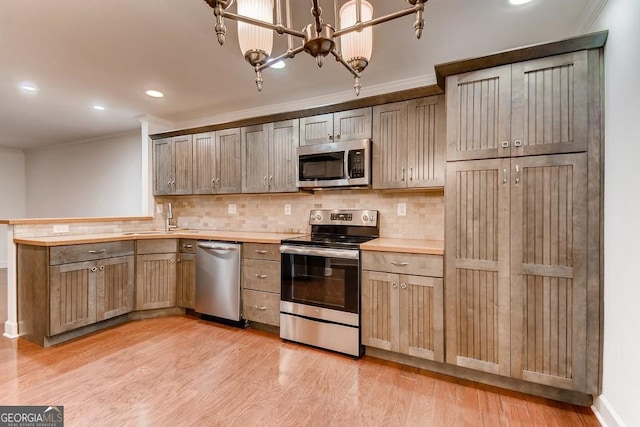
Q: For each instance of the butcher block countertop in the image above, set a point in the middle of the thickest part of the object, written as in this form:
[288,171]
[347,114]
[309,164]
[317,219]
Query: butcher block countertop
[72,220]
[413,246]
[229,236]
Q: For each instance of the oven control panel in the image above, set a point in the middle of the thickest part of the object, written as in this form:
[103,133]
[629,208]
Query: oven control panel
[368,218]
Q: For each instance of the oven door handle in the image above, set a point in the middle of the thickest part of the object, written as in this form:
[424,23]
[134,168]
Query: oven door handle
[324,252]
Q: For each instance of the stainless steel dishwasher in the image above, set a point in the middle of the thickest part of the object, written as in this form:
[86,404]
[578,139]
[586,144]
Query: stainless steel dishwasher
[218,280]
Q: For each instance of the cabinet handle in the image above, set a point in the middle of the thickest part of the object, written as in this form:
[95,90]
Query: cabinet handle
[94,252]
[330,136]
[173,183]
[93,269]
[187,246]
[504,177]
[271,179]
[101,268]
[505,144]
[260,307]
[338,136]
[399,264]
[411,173]
[517,175]
[403,285]
[265,181]
[261,276]
[169,185]
[261,251]
[517,143]
[213,180]
[403,174]
[394,285]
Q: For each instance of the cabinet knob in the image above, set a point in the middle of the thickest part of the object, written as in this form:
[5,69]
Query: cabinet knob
[173,261]
[179,260]
[394,285]
[101,268]
[93,269]
[403,285]
[505,144]
[517,143]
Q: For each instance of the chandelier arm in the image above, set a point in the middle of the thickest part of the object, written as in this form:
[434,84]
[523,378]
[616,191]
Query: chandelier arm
[288,54]
[289,24]
[262,24]
[376,21]
[341,60]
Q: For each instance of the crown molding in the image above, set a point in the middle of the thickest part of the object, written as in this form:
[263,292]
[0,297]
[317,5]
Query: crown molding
[589,15]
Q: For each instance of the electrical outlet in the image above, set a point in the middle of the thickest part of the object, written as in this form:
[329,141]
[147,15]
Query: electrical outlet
[232,208]
[159,208]
[287,209]
[61,228]
[402,209]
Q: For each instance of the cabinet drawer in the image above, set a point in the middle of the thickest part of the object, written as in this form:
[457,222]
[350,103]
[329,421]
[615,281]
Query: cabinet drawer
[187,246]
[262,307]
[88,252]
[261,251]
[156,246]
[402,263]
[261,275]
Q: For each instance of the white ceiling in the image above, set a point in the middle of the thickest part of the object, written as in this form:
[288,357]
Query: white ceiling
[81,52]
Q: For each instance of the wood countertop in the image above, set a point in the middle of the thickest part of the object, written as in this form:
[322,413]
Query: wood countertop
[415,246]
[36,221]
[229,236]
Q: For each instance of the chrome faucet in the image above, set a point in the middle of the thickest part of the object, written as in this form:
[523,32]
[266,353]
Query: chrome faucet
[167,225]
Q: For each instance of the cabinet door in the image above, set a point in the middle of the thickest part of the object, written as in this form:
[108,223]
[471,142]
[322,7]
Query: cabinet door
[229,164]
[255,155]
[186,280]
[155,281]
[316,129]
[421,317]
[479,114]
[380,310]
[282,156]
[477,265]
[183,153]
[390,146]
[114,290]
[426,142]
[548,269]
[163,166]
[352,124]
[205,169]
[72,296]
[550,105]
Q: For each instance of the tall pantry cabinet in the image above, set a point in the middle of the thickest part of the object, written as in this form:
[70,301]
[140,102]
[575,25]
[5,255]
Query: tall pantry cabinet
[522,227]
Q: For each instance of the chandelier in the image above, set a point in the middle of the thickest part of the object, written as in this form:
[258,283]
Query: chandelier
[355,17]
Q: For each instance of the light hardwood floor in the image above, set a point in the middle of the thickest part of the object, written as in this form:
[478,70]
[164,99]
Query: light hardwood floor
[181,371]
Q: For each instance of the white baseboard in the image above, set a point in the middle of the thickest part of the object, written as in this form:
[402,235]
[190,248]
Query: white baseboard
[607,416]
[10,329]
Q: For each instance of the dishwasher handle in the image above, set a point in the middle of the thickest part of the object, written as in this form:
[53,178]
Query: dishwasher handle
[216,246]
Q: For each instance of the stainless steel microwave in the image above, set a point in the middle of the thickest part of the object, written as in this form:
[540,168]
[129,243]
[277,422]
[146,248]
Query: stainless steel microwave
[334,164]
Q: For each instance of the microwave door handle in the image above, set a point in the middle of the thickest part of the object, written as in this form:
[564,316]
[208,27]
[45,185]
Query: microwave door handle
[346,165]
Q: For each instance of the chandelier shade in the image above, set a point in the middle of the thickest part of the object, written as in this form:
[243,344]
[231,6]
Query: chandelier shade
[357,46]
[255,40]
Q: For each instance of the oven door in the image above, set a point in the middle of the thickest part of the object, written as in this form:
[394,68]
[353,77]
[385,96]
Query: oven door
[321,277]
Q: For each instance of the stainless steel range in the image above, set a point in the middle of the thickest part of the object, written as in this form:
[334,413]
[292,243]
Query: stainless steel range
[320,294]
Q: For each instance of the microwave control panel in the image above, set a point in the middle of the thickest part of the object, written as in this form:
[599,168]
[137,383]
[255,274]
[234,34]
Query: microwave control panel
[357,163]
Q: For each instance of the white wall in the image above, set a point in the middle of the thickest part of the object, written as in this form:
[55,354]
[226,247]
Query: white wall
[12,193]
[95,178]
[621,375]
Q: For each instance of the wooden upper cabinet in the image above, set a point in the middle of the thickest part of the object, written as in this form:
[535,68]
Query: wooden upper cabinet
[528,108]
[269,156]
[172,159]
[216,162]
[409,144]
[341,126]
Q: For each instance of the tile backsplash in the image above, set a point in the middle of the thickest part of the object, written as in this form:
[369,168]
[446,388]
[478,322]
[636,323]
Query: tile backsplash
[262,212]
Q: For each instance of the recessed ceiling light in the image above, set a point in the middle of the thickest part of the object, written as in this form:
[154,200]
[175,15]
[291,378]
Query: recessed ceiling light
[99,107]
[154,93]
[519,2]
[29,87]
[278,65]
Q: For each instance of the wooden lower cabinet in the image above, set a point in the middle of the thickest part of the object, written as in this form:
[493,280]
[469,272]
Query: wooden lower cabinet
[114,287]
[186,281]
[261,283]
[155,281]
[403,313]
[72,296]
